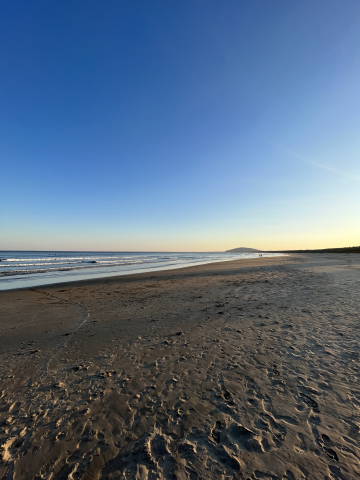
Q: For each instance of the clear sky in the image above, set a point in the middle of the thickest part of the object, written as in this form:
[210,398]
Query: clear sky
[179,124]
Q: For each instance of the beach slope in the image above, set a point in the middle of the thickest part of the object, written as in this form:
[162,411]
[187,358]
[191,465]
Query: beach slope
[246,369]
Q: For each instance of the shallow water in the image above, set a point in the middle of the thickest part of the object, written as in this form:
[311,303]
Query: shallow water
[20,269]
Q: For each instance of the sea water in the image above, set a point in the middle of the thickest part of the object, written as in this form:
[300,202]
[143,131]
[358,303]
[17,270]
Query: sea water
[19,269]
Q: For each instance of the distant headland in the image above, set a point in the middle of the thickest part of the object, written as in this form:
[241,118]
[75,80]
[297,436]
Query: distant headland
[242,250]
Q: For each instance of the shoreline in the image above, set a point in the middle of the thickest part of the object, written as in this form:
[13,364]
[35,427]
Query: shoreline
[236,369]
[104,276]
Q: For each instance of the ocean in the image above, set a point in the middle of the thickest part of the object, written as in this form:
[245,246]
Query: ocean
[20,269]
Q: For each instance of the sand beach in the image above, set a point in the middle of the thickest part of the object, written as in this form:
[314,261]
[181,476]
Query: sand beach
[245,369]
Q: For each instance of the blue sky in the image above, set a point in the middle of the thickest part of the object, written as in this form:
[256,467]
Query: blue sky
[179,125]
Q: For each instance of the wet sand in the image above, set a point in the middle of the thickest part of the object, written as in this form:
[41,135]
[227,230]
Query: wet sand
[237,370]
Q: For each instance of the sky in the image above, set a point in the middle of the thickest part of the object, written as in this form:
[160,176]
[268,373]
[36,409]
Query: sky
[192,125]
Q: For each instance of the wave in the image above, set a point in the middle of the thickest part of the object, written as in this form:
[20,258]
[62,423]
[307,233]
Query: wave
[56,259]
[77,267]
[30,264]
[102,262]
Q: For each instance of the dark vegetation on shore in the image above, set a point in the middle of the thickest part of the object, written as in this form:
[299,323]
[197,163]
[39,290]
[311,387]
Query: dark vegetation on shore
[324,250]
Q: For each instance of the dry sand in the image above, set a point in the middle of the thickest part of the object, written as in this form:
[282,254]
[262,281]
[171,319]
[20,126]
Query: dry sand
[235,370]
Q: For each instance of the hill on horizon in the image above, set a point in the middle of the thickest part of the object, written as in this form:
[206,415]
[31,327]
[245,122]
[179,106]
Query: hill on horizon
[242,250]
